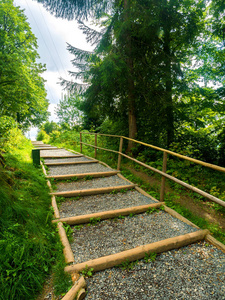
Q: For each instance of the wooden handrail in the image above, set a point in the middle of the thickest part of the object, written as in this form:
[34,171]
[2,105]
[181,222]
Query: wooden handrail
[190,187]
[196,161]
[163,172]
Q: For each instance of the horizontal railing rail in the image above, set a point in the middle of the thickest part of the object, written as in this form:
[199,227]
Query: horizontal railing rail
[164,167]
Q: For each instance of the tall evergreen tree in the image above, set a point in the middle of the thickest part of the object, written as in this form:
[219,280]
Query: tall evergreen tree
[142,62]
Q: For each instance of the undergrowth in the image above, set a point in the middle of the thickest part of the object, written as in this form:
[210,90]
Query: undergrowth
[29,242]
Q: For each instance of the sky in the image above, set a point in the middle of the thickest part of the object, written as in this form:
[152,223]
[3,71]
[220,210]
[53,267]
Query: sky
[52,35]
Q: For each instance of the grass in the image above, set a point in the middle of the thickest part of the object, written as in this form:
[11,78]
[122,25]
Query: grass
[127,265]
[94,221]
[87,272]
[29,242]
[150,257]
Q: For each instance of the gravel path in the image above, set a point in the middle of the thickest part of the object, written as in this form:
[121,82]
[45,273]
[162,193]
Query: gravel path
[73,169]
[72,159]
[113,236]
[193,272]
[58,152]
[102,202]
[91,184]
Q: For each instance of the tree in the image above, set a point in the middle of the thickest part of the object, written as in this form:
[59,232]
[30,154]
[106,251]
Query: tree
[138,65]
[68,111]
[22,92]
[146,53]
[49,127]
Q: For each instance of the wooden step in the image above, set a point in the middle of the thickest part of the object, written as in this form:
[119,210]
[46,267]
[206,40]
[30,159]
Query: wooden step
[83,175]
[60,156]
[48,148]
[109,214]
[96,191]
[43,145]
[139,252]
[71,162]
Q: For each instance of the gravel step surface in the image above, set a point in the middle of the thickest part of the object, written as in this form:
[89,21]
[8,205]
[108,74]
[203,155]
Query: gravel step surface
[72,159]
[58,152]
[96,203]
[113,236]
[91,184]
[193,272]
[77,169]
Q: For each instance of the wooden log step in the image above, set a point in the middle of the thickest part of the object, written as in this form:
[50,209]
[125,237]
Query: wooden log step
[77,291]
[71,162]
[109,214]
[60,156]
[43,145]
[139,252]
[48,148]
[96,191]
[83,175]
[68,253]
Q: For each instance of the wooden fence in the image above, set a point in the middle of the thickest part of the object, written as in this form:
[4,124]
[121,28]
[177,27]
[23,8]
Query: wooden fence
[164,166]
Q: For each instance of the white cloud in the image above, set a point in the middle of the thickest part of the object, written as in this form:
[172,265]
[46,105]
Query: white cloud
[52,35]
[51,109]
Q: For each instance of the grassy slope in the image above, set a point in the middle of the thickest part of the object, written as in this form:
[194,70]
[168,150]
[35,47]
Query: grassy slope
[29,243]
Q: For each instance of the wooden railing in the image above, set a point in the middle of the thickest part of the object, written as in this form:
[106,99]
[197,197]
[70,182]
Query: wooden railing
[164,166]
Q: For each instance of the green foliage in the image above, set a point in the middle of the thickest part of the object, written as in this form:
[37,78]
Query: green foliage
[87,272]
[50,127]
[169,72]
[71,179]
[78,227]
[88,177]
[68,111]
[22,92]
[62,280]
[127,265]
[123,191]
[29,241]
[149,257]
[69,232]
[94,221]
[67,139]
[151,210]
[60,199]
[43,136]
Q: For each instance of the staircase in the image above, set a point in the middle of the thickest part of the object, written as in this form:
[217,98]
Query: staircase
[132,245]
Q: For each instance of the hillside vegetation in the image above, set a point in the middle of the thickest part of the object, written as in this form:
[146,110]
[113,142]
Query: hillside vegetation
[29,243]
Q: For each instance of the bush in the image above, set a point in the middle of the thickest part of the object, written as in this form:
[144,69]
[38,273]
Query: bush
[43,136]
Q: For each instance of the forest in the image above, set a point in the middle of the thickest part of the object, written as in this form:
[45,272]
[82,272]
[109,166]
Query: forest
[156,74]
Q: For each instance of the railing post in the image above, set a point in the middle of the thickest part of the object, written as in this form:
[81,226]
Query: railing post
[80,142]
[120,151]
[162,192]
[95,145]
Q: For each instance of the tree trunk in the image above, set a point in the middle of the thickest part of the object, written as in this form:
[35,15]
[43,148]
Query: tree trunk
[168,84]
[131,95]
